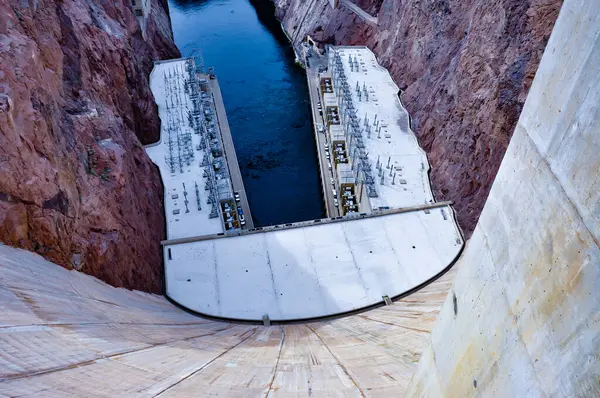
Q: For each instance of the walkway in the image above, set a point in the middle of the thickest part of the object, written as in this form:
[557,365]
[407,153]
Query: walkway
[368,18]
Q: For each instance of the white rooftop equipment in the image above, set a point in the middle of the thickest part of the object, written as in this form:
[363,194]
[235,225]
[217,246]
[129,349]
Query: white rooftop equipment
[194,171]
[379,140]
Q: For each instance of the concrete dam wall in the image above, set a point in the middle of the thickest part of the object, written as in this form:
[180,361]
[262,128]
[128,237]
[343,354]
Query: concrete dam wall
[67,334]
[523,316]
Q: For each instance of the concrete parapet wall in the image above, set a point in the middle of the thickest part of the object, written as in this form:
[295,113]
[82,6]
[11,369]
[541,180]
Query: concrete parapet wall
[522,318]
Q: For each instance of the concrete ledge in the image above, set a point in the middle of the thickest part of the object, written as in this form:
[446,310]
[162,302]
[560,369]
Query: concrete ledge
[359,216]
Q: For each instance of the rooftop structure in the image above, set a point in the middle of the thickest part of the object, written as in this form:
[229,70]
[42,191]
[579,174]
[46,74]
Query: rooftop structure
[141,10]
[383,152]
[199,198]
[313,269]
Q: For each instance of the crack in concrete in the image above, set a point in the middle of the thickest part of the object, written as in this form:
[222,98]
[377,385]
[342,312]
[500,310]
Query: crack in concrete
[206,364]
[337,360]
[393,324]
[102,357]
[5,327]
[281,343]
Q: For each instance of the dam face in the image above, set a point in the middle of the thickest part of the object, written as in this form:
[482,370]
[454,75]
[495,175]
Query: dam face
[66,334]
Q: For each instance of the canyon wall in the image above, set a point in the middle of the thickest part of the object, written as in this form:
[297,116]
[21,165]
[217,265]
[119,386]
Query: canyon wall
[464,67]
[75,183]
[523,316]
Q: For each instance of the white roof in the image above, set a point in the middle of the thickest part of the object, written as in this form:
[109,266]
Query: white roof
[330,99]
[396,140]
[311,271]
[336,131]
[196,222]
[345,173]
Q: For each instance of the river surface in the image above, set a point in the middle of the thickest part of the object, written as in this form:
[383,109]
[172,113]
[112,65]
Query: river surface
[267,102]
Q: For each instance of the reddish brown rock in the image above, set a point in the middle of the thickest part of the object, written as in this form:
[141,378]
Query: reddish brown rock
[465,68]
[75,183]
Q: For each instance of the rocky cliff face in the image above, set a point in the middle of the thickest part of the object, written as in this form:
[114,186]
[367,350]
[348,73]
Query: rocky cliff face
[75,183]
[465,68]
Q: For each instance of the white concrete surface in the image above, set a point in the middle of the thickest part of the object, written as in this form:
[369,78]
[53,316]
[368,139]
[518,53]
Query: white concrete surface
[395,141]
[523,317]
[311,271]
[362,14]
[66,334]
[196,222]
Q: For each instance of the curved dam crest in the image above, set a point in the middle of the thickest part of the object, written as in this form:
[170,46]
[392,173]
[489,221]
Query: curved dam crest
[313,270]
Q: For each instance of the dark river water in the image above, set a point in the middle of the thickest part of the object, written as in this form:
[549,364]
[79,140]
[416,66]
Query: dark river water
[266,99]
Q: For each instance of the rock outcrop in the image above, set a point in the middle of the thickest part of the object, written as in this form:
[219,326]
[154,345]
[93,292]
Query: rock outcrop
[75,105]
[464,67]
